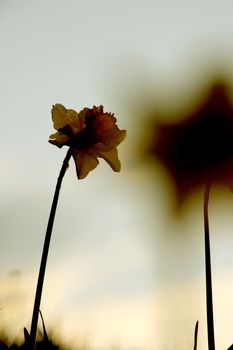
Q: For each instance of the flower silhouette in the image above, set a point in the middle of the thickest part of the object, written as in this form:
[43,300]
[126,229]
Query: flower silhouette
[90,134]
[199,148]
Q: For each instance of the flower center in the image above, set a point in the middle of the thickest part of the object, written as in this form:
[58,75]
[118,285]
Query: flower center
[85,138]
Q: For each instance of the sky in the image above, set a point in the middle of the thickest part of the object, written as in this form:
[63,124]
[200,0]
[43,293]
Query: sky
[123,272]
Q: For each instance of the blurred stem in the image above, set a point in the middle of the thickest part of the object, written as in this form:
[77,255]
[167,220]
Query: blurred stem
[195,336]
[209,298]
[35,315]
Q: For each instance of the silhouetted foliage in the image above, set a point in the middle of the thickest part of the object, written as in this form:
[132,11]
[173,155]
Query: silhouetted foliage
[41,345]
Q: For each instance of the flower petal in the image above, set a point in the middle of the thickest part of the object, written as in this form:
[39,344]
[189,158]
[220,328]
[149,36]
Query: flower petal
[111,158]
[58,116]
[58,139]
[84,162]
[112,142]
[83,113]
[107,131]
[62,117]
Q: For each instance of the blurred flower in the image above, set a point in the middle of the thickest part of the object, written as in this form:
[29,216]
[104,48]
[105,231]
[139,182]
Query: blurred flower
[199,147]
[90,134]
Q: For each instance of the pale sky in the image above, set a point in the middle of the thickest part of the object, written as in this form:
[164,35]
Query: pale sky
[121,271]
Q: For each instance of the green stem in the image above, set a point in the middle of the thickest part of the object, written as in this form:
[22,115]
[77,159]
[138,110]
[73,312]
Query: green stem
[43,262]
[209,298]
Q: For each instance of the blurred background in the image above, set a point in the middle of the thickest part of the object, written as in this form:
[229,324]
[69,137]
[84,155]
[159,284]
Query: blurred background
[123,272]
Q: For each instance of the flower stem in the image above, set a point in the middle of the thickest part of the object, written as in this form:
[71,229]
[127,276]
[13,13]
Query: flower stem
[195,336]
[35,315]
[209,298]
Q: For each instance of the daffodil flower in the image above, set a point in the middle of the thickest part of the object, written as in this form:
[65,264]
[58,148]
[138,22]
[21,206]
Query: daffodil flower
[199,147]
[90,134]
[198,150]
